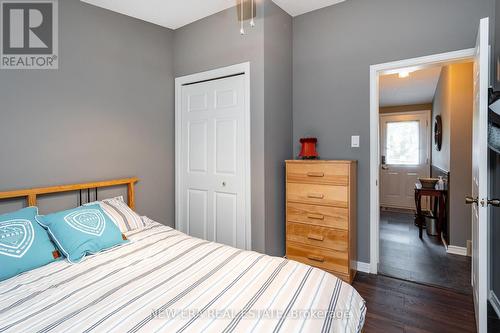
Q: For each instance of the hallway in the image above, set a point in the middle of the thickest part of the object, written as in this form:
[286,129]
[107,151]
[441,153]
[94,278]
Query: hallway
[404,256]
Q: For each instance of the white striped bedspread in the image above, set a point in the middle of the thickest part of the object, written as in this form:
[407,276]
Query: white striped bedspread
[166,281]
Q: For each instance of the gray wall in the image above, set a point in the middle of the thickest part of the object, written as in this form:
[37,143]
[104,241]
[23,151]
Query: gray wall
[278,120]
[111,103]
[106,113]
[332,51]
[215,42]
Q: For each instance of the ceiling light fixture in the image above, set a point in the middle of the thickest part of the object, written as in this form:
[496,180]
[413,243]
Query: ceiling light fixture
[242,17]
[403,74]
[242,30]
[252,21]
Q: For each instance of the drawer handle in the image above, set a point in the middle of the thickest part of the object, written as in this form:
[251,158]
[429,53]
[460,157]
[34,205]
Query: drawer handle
[316,216]
[316,258]
[315,196]
[315,174]
[316,237]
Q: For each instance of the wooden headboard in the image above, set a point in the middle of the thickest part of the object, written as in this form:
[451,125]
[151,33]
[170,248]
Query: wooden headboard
[32,194]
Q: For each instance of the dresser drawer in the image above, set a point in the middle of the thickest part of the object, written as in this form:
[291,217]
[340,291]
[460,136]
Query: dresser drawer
[318,257]
[318,173]
[317,236]
[325,216]
[318,194]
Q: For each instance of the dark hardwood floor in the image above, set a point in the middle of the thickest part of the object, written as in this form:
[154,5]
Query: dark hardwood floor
[405,256]
[493,320]
[401,306]
[440,301]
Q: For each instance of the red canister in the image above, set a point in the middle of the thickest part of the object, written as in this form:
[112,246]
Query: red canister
[308,150]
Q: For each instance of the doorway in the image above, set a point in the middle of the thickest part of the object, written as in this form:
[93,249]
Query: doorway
[479,200]
[417,229]
[376,71]
[212,129]
[376,74]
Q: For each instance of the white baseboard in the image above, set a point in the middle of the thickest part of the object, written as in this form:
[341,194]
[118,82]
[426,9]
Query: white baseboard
[452,249]
[495,303]
[362,266]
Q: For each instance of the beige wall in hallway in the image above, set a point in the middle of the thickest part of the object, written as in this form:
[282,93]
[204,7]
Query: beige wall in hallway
[442,106]
[453,101]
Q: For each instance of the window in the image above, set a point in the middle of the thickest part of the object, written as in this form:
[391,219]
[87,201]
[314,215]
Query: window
[403,143]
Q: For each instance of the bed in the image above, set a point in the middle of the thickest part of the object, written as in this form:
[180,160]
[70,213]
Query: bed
[166,281]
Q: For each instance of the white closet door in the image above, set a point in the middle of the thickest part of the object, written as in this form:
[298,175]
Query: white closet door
[212,154]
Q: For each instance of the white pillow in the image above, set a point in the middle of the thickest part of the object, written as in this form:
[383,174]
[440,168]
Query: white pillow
[121,214]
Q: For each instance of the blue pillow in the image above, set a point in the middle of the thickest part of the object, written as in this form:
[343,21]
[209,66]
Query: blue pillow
[24,245]
[81,231]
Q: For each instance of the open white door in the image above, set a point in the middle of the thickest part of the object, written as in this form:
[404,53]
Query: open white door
[479,198]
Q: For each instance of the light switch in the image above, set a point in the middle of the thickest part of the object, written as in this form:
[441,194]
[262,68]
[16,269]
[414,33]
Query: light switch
[355,141]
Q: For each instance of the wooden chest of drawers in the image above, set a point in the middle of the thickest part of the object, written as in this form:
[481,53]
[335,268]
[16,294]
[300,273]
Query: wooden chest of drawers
[321,215]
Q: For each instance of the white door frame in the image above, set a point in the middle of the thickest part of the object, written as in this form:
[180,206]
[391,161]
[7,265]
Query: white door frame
[375,72]
[238,69]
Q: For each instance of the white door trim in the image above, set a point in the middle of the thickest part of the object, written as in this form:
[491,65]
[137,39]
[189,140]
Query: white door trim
[375,72]
[243,69]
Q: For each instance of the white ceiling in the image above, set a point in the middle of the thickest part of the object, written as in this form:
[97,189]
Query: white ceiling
[299,7]
[418,88]
[174,14]
[171,14]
